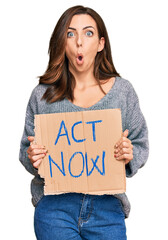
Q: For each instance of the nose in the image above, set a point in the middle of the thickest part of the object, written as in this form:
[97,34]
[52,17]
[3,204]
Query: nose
[79,41]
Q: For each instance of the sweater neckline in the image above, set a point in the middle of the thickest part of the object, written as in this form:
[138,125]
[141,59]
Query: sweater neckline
[98,102]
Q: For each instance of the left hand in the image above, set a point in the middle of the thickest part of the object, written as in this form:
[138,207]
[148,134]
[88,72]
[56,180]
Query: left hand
[124,148]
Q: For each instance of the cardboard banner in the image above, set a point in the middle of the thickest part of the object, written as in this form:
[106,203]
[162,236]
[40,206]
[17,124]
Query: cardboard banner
[80,154]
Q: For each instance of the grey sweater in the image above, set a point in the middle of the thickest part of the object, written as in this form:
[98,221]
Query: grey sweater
[122,95]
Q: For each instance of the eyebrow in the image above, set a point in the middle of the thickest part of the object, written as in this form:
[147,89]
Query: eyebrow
[82,29]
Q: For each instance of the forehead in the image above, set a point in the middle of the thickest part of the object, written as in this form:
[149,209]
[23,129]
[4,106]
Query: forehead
[81,21]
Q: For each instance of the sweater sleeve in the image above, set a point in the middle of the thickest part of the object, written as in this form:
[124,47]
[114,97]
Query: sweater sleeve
[28,131]
[138,134]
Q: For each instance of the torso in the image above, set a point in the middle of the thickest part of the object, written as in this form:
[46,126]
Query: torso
[88,97]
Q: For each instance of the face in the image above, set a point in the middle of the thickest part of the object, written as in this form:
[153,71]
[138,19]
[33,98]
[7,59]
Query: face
[83,43]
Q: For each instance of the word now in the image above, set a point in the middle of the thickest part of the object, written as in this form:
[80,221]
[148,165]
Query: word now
[63,127]
[84,160]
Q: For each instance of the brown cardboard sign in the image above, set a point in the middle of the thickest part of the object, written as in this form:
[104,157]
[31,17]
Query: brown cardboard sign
[80,154]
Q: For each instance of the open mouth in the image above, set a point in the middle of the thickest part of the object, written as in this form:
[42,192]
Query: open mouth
[79,59]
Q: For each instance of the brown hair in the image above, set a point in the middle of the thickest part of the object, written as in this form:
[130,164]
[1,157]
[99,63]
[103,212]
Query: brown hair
[57,75]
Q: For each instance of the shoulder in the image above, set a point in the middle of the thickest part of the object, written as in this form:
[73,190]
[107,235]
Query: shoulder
[125,87]
[39,89]
[38,92]
[124,84]
[35,100]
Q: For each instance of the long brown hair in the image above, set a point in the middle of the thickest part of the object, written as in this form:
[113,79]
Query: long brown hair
[60,79]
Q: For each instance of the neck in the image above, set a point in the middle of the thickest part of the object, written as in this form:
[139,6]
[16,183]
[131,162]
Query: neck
[84,80]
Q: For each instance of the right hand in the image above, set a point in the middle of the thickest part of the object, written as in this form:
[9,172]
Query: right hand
[36,153]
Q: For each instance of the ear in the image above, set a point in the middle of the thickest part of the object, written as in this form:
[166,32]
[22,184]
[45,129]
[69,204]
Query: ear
[101,44]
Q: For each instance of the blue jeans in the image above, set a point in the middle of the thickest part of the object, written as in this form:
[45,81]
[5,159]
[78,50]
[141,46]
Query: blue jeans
[79,216]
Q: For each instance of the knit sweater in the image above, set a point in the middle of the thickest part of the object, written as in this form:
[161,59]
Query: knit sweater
[122,95]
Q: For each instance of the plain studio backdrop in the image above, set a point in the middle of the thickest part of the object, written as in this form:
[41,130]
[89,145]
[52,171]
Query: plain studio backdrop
[138,36]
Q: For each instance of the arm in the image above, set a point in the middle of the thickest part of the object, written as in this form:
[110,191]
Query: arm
[28,131]
[133,145]
[138,134]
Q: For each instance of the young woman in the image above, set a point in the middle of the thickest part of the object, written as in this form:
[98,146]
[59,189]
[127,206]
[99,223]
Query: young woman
[81,76]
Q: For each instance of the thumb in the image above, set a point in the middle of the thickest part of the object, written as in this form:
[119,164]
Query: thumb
[31,139]
[125,133]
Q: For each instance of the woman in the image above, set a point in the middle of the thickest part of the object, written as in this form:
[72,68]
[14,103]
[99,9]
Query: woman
[81,76]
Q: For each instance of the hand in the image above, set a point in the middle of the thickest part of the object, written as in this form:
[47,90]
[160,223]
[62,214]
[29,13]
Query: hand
[36,153]
[124,148]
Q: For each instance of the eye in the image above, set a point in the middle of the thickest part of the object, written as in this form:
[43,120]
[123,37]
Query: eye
[70,34]
[89,33]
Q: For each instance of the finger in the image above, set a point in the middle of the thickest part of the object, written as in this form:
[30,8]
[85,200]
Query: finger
[123,151]
[31,138]
[123,138]
[125,133]
[35,146]
[37,151]
[125,156]
[125,145]
[127,161]
[34,158]
[122,145]
[37,163]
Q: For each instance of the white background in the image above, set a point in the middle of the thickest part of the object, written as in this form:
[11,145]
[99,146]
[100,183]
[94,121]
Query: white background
[138,35]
